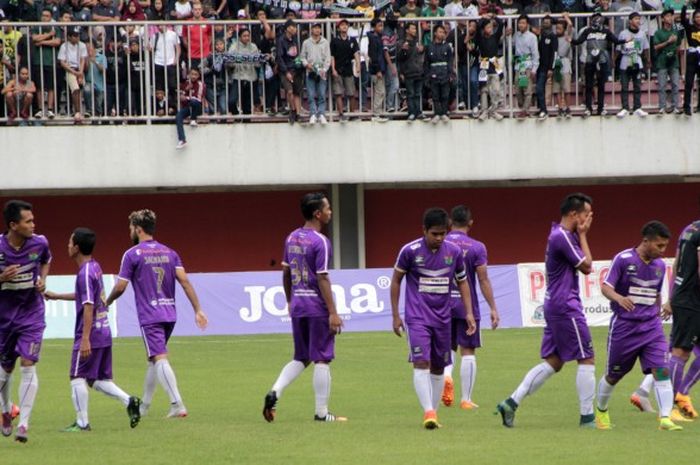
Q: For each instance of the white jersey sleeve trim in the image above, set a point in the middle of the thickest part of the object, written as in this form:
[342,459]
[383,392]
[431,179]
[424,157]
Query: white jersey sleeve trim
[573,249]
[325,253]
[88,293]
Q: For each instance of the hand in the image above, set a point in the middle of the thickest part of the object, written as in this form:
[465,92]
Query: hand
[549,74]
[398,326]
[8,273]
[584,226]
[6,60]
[336,323]
[335,74]
[40,285]
[666,311]
[289,76]
[495,319]
[404,46]
[420,48]
[672,38]
[509,31]
[48,295]
[85,348]
[201,320]
[310,67]
[626,303]
[471,324]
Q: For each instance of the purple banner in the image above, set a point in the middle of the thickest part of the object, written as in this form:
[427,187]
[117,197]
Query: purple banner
[254,303]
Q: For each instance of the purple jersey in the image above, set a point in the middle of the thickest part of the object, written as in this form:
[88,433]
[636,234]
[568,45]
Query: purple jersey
[307,253]
[428,278]
[150,266]
[631,277]
[90,290]
[562,259]
[20,303]
[474,253]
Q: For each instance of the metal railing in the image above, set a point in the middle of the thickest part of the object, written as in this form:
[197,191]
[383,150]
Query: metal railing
[134,71]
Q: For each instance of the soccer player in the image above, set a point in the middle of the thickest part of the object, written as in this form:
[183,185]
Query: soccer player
[566,336]
[430,264]
[475,261]
[153,268]
[91,362]
[315,320]
[24,265]
[633,286]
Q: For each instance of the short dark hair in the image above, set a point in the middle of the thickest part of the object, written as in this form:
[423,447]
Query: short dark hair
[85,239]
[461,215]
[47,9]
[311,203]
[375,21]
[654,229]
[439,26]
[576,202]
[145,218]
[12,212]
[523,16]
[411,24]
[435,217]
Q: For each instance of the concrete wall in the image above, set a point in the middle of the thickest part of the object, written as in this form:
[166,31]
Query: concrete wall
[242,155]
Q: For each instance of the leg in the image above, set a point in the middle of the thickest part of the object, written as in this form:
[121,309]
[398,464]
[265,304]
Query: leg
[312,91]
[179,123]
[691,63]
[436,93]
[26,105]
[445,97]
[322,90]
[322,352]
[675,80]
[80,397]
[156,338]
[589,78]
[624,83]
[474,87]
[602,79]
[541,83]
[662,75]
[419,343]
[636,89]
[11,102]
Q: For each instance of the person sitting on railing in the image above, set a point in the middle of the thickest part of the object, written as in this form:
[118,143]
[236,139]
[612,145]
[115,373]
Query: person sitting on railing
[19,93]
[635,60]
[597,67]
[73,57]
[191,101]
[692,57]
[526,60]
[439,72]
[488,42]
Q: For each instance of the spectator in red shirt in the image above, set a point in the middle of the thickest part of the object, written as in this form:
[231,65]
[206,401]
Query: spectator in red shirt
[197,37]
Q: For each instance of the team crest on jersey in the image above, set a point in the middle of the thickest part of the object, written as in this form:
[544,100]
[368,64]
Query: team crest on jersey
[659,273]
[419,260]
[449,259]
[34,256]
[632,269]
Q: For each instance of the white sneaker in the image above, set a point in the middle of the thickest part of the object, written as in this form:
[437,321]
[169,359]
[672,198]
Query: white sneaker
[50,114]
[622,113]
[38,115]
[542,116]
[435,119]
[312,120]
[193,123]
[181,144]
[641,113]
[444,118]
[322,119]
[497,116]
[461,106]
[177,411]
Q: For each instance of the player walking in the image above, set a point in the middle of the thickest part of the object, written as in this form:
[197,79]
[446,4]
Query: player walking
[315,321]
[430,265]
[91,362]
[153,269]
[566,336]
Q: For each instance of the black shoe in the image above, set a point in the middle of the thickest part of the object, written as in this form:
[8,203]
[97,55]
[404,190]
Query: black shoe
[330,417]
[269,407]
[134,411]
[507,410]
[687,112]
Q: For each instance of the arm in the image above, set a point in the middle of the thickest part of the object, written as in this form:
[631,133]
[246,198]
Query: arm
[466,295]
[10,87]
[199,317]
[324,285]
[287,284]
[482,275]
[48,295]
[586,266]
[613,296]
[684,18]
[395,295]
[41,280]
[117,291]
[666,310]
[582,36]
[88,317]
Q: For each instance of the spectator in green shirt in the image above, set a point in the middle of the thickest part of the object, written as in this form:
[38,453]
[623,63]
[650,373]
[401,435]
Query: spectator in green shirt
[666,42]
[432,10]
[45,42]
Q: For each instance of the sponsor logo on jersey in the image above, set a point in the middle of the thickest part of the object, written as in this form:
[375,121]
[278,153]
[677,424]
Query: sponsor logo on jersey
[419,260]
[631,269]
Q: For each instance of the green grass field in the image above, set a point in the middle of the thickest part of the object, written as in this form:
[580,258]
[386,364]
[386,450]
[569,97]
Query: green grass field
[223,381]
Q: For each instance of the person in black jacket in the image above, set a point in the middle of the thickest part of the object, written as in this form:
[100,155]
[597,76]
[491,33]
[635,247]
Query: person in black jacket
[488,39]
[548,45]
[377,68]
[439,71]
[692,57]
[290,68]
[411,70]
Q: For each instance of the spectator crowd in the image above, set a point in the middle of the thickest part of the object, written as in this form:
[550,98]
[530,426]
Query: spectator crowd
[313,62]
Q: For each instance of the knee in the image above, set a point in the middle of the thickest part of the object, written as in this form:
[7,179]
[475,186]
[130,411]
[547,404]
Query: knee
[422,365]
[437,370]
[10,95]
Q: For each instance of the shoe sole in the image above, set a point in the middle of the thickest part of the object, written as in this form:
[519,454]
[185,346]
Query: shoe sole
[134,411]
[269,408]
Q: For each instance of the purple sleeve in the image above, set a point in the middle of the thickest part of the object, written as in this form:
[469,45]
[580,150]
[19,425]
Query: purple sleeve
[46,253]
[323,255]
[177,261]
[403,261]
[460,267]
[570,249]
[126,271]
[481,256]
[83,286]
[615,271]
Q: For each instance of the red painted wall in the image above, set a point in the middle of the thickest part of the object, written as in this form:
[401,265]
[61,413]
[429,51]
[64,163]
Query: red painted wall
[514,222]
[231,231]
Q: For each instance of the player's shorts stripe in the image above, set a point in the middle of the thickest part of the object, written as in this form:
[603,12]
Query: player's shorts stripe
[578,337]
[145,342]
[77,363]
[610,333]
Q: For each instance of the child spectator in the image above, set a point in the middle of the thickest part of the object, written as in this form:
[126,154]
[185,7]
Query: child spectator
[191,99]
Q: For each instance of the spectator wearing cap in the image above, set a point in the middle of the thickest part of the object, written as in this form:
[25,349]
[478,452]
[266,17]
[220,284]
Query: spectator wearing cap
[73,56]
[377,68]
[245,74]
[46,39]
[19,94]
[197,37]
[290,68]
[666,42]
[345,54]
[439,72]
[316,58]
[635,56]
[411,56]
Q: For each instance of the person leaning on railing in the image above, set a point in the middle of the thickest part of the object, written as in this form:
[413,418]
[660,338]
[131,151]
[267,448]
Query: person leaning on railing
[73,57]
[488,41]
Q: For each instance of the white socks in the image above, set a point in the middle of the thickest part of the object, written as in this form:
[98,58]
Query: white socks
[28,387]
[79,394]
[645,387]
[322,388]
[585,385]
[605,390]
[5,384]
[166,378]
[467,373]
[437,382]
[533,380]
[664,397]
[149,385]
[423,385]
[289,373]
[112,390]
